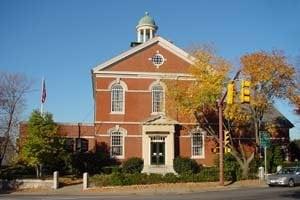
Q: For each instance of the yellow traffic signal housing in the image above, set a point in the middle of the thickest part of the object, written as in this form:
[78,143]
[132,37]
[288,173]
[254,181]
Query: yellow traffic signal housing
[226,138]
[245,91]
[227,150]
[226,141]
[215,150]
[230,93]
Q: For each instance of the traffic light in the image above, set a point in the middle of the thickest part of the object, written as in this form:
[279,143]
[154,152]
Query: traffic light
[215,150]
[226,141]
[245,91]
[226,138]
[230,93]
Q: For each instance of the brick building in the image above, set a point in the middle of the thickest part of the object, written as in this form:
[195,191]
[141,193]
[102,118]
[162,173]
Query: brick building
[130,110]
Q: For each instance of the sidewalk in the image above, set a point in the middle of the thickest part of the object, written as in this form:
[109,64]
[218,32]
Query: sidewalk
[164,188]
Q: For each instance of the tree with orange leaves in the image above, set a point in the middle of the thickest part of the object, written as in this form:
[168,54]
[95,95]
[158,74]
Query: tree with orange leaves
[272,77]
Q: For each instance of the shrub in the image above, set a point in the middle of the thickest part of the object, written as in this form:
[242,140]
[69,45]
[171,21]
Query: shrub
[170,178]
[231,167]
[91,162]
[101,180]
[111,169]
[17,171]
[185,165]
[292,164]
[133,165]
[274,158]
[155,178]
[207,174]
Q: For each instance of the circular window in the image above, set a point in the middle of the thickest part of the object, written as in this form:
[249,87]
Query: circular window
[158,60]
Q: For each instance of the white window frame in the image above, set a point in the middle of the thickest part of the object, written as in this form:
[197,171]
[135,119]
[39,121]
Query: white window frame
[163,99]
[202,135]
[123,99]
[122,145]
[123,131]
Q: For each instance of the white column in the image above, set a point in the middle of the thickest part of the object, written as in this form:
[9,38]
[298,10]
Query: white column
[144,36]
[139,36]
[151,34]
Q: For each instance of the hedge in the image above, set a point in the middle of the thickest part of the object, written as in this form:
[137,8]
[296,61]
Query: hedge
[114,179]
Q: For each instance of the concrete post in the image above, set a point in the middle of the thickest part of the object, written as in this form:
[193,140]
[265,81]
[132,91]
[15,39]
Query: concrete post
[261,173]
[85,181]
[55,180]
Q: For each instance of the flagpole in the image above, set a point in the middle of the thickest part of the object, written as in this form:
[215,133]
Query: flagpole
[42,103]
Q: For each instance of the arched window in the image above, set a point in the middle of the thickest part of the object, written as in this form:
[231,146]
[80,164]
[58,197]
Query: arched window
[116,144]
[157,98]
[197,144]
[117,98]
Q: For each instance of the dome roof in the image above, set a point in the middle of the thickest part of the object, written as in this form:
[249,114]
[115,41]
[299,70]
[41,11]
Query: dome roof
[147,20]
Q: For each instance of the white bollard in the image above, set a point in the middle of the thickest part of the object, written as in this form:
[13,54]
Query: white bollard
[55,180]
[85,181]
[261,173]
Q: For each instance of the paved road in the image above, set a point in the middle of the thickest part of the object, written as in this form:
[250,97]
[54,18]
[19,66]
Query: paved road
[282,193]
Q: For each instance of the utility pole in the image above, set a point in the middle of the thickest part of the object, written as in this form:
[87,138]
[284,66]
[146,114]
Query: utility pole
[221,150]
[221,141]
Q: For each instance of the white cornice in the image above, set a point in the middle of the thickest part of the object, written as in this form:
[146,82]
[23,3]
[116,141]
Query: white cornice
[161,41]
[145,75]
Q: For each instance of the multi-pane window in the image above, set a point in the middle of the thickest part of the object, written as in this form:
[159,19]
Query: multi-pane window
[116,143]
[117,98]
[157,98]
[197,144]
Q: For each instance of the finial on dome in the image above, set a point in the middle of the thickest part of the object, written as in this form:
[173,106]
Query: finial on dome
[146,13]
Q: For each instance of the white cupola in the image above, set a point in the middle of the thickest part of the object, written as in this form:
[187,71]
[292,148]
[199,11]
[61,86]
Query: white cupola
[146,28]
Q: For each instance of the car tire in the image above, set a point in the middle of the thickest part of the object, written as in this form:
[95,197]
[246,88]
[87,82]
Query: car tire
[291,183]
[271,185]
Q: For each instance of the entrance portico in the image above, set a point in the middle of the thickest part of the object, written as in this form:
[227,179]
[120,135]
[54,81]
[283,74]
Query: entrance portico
[158,144]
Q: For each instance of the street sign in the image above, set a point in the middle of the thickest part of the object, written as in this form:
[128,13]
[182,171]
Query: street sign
[265,139]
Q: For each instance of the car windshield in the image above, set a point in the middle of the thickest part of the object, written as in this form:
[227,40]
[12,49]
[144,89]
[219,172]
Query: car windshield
[288,171]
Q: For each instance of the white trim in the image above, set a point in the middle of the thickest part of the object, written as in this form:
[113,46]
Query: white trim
[118,82]
[116,122]
[134,136]
[161,41]
[117,113]
[138,76]
[84,137]
[134,123]
[185,136]
[129,136]
[120,73]
[131,91]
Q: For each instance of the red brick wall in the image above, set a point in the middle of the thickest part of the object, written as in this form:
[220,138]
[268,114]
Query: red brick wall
[139,62]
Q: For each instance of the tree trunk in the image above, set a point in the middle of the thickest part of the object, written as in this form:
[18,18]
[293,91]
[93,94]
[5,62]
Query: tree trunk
[245,171]
[243,162]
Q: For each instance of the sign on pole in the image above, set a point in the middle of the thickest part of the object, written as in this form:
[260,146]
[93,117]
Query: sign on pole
[264,139]
[265,142]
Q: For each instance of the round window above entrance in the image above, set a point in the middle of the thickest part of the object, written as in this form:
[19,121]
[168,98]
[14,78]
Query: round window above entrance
[158,60]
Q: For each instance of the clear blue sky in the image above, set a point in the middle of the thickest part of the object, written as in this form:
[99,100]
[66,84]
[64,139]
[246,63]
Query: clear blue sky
[63,40]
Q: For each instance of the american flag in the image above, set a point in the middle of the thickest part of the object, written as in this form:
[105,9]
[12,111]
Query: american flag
[44,94]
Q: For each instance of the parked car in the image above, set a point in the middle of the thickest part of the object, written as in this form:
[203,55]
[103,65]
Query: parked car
[289,176]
